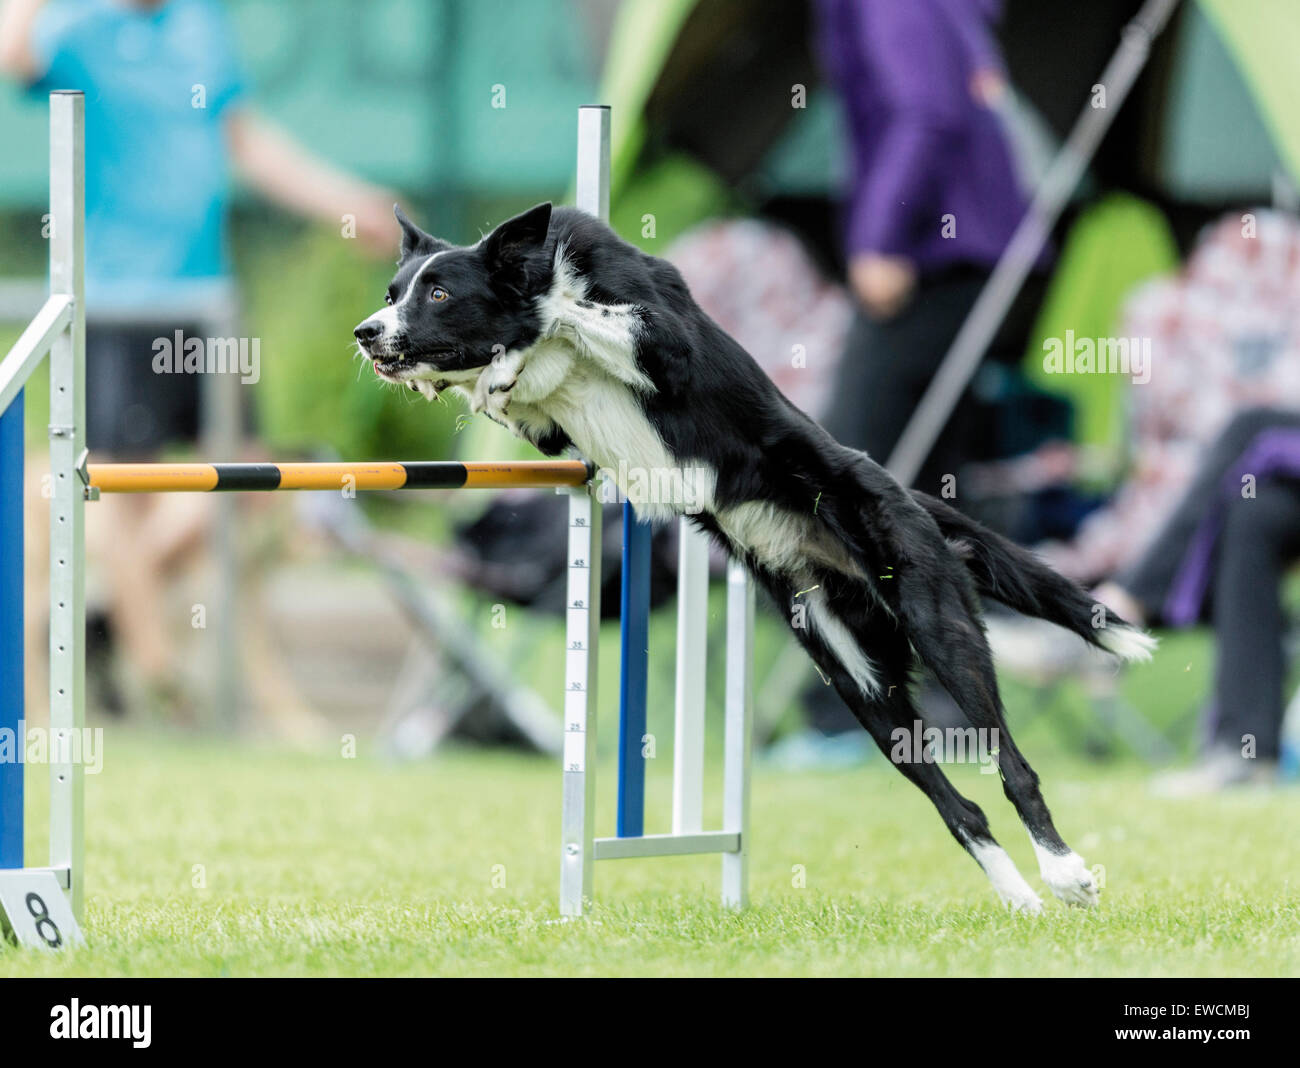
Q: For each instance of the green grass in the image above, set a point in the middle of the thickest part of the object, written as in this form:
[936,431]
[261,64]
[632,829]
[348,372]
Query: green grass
[319,865]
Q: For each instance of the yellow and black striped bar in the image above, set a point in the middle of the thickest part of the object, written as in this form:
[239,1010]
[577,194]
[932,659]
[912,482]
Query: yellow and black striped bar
[373,475]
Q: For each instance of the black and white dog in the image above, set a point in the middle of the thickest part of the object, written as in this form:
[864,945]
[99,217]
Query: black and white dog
[572,338]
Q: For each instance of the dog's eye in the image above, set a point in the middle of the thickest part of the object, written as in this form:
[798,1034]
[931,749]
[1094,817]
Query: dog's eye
[439,294]
[388,299]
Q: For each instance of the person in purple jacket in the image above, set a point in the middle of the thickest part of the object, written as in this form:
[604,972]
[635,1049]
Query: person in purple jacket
[932,200]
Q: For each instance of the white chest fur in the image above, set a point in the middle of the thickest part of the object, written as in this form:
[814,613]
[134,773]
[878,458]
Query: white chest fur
[582,375]
[604,419]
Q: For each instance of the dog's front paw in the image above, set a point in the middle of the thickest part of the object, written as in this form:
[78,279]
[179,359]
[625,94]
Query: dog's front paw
[498,399]
[1021,899]
[1069,879]
[492,393]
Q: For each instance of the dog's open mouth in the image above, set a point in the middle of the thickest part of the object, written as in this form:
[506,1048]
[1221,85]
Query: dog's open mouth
[392,366]
[401,367]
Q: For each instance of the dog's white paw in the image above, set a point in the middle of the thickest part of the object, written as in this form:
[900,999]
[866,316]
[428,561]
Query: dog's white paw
[497,405]
[1022,900]
[492,391]
[1069,879]
[1010,885]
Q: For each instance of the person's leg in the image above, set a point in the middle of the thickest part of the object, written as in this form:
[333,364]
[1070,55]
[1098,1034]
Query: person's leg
[179,526]
[133,584]
[859,420]
[1260,539]
[117,363]
[139,539]
[886,367]
[889,363]
[856,417]
[1148,581]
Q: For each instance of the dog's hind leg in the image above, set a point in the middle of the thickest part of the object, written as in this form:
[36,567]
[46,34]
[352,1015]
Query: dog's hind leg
[940,615]
[867,658]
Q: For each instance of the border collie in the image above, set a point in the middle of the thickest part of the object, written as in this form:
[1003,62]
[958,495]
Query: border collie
[573,339]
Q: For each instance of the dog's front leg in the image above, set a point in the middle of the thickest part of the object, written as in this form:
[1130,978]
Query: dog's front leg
[526,377]
[492,391]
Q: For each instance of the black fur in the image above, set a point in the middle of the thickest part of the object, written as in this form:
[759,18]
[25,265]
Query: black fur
[926,565]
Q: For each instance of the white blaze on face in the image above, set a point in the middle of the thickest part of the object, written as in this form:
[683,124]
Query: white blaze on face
[387,318]
[390,315]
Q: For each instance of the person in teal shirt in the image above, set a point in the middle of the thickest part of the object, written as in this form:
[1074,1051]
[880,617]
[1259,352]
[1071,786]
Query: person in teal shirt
[160,81]
[168,123]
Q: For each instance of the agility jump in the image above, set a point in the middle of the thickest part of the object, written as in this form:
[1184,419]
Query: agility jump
[59,331]
[436,474]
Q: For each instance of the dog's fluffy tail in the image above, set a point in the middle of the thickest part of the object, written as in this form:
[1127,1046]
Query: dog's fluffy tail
[1013,576]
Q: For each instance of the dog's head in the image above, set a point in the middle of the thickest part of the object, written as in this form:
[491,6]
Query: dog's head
[450,310]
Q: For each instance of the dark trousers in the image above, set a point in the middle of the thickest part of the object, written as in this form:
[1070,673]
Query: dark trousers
[1258,541]
[886,367]
[131,411]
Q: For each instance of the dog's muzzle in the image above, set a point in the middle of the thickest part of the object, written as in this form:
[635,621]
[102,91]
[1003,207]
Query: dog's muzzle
[380,346]
[375,337]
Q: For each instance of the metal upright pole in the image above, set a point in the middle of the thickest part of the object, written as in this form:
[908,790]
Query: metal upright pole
[692,664]
[578,857]
[739,732]
[582,631]
[592,180]
[220,409]
[67,502]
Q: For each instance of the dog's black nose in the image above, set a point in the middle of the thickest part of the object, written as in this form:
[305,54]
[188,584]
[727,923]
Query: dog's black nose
[367,331]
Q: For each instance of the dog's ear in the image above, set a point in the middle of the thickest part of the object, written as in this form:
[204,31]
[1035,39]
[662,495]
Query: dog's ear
[415,242]
[506,247]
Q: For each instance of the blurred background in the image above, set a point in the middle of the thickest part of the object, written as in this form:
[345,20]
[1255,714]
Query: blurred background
[799,162]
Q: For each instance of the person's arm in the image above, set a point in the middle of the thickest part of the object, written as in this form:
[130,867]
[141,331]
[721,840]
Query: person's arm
[921,78]
[975,29]
[17,55]
[284,172]
[922,81]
